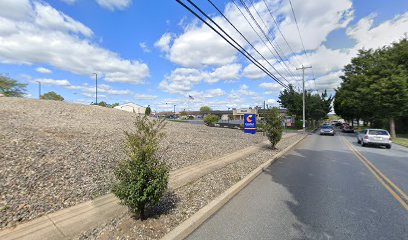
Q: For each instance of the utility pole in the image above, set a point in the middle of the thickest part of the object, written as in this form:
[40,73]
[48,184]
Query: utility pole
[39,89]
[96,88]
[303,84]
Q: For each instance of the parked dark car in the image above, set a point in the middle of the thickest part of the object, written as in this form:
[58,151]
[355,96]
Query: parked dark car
[348,129]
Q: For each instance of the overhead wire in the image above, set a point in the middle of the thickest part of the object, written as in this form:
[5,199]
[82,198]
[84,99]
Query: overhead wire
[245,38]
[301,40]
[239,48]
[260,28]
[283,62]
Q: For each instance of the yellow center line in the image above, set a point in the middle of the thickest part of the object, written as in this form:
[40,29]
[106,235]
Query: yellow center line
[379,176]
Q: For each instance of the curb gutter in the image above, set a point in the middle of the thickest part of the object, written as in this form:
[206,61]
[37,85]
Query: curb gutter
[192,223]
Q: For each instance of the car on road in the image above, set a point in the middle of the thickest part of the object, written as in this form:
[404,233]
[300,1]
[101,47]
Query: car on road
[376,137]
[347,129]
[327,130]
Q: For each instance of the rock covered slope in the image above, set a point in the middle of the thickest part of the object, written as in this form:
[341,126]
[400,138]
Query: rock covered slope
[55,154]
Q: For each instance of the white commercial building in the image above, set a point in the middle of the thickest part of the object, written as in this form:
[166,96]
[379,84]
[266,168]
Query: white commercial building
[132,107]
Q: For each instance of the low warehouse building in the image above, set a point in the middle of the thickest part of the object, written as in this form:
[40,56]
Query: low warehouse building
[132,107]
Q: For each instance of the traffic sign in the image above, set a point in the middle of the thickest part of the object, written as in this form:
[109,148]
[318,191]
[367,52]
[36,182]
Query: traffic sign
[250,123]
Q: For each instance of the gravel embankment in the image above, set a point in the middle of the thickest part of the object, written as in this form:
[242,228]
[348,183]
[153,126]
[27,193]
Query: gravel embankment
[55,155]
[183,202]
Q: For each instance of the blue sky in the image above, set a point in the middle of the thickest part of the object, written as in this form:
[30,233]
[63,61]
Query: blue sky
[154,54]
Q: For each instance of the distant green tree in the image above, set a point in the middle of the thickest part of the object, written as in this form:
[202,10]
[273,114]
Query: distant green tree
[316,108]
[205,110]
[273,125]
[52,96]
[11,88]
[103,104]
[142,176]
[148,111]
[211,119]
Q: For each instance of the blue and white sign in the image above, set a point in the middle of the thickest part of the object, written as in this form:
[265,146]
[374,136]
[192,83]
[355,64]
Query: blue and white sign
[250,123]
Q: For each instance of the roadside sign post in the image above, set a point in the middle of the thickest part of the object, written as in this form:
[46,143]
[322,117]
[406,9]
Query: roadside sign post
[250,123]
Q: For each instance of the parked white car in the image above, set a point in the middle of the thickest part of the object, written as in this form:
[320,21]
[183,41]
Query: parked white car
[378,137]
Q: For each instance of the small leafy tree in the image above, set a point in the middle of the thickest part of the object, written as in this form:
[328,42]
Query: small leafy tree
[52,96]
[273,125]
[148,111]
[143,176]
[211,119]
[205,110]
[11,88]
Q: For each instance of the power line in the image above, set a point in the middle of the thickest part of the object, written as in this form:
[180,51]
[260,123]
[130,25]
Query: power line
[236,5]
[260,28]
[246,39]
[243,51]
[281,33]
[300,36]
[270,42]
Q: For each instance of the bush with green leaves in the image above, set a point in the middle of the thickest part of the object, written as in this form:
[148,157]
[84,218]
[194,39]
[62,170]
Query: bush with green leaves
[148,111]
[211,119]
[11,88]
[142,178]
[52,96]
[273,125]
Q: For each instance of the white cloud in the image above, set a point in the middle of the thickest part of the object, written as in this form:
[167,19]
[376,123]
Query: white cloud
[368,36]
[251,71]
[145,97]
[226,72]
[182,80]
[271,86]
[43,70]
[164,42]
[49,18]
[15,9]
[144,47]
[211,93]
[198,46]
[243,91]
[42,37]
[114,4]
[47,81]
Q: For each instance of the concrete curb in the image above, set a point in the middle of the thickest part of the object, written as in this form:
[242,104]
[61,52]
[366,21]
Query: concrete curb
[192,223]
[69,222]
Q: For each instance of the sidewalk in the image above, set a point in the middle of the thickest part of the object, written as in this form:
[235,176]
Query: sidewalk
[69,222]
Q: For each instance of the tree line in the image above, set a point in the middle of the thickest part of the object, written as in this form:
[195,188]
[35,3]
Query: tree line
[317,106]
[375,87]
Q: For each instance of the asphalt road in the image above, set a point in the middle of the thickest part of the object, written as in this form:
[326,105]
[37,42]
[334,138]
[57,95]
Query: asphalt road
[320,190]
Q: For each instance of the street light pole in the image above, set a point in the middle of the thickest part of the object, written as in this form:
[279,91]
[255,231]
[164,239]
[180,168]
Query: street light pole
[174,110]
[303,84]
[96,88]
[39,89]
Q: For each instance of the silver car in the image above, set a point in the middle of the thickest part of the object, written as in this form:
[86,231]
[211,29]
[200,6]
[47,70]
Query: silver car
[327,130]
[378,137]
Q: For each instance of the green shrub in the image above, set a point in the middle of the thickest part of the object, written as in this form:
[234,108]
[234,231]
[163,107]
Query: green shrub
[298,124]
[148,111]
[142,177]
[273,126]
[211,119]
